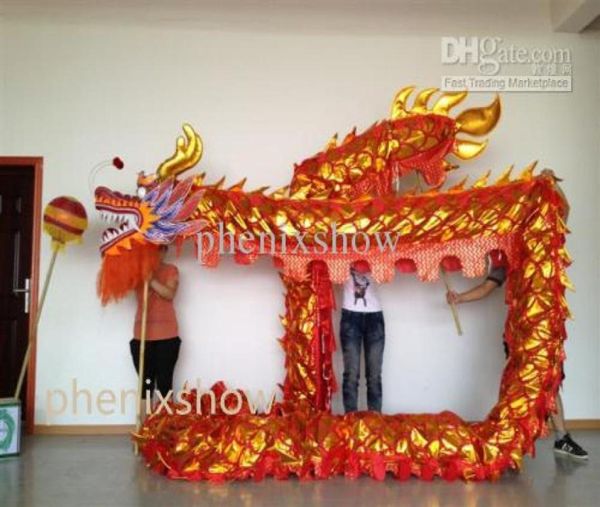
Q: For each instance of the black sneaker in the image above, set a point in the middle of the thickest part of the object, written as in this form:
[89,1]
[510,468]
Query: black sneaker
[567,446]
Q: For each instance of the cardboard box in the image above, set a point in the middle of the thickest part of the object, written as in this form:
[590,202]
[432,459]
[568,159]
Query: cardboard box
[10,427]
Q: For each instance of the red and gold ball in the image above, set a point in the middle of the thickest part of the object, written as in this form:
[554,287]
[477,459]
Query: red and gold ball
[65,219]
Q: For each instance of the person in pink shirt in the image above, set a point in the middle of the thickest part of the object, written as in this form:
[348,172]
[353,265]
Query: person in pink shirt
[162,333]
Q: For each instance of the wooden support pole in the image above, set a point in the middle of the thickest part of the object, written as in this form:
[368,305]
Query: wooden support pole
[141,361]
[452,305]
[453,308]
[33,335]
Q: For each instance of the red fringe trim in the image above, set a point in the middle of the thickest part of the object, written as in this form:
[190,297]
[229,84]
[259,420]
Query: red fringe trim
[122,273]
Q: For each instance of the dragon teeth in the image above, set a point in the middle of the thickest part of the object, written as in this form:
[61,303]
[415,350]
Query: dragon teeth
[112,233]
[123,224]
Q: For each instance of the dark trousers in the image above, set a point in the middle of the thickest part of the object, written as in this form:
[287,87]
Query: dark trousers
[160,357]
[356,329]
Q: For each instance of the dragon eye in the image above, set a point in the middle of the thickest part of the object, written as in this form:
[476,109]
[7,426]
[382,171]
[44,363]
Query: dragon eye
[141,192]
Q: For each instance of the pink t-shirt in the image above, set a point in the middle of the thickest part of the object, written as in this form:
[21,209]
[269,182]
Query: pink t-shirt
[162,320]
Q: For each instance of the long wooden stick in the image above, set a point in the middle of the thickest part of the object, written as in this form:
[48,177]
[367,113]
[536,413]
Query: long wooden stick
[445,280]
[452,305]
[141,361]
[33,335]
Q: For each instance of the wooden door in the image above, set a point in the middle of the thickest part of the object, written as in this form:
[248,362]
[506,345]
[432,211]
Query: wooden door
[18,272]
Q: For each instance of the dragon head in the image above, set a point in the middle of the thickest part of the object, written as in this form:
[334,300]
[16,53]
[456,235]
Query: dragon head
[474,122]
[416,138]
[164,209]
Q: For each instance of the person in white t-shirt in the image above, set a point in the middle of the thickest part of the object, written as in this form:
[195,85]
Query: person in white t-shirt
[362,324]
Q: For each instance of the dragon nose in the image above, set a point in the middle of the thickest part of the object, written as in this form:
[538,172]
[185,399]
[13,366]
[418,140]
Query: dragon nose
[101,191]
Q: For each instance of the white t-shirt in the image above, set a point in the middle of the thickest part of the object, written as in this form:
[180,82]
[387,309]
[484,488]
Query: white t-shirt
[360,294]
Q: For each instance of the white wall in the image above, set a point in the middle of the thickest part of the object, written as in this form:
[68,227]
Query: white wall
[82,92]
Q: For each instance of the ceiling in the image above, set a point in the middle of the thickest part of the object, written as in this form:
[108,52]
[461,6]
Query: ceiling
[357,15]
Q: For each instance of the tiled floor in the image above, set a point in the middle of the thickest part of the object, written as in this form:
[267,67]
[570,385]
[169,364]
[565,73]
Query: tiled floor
[102,471]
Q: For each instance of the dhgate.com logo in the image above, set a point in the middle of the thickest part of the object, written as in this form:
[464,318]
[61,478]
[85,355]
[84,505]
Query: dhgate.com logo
[548,68]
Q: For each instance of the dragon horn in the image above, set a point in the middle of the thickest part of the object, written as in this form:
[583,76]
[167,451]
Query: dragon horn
[399,104]
[447,101]
[188,152]
[420,104]
[480,120]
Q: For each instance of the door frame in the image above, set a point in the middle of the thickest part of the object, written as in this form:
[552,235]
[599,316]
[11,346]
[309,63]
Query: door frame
[37,163]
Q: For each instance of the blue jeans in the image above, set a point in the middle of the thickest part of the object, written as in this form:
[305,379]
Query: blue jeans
[357,328]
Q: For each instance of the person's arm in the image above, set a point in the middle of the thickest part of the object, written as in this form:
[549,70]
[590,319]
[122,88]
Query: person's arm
[476,293]
[165,290]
